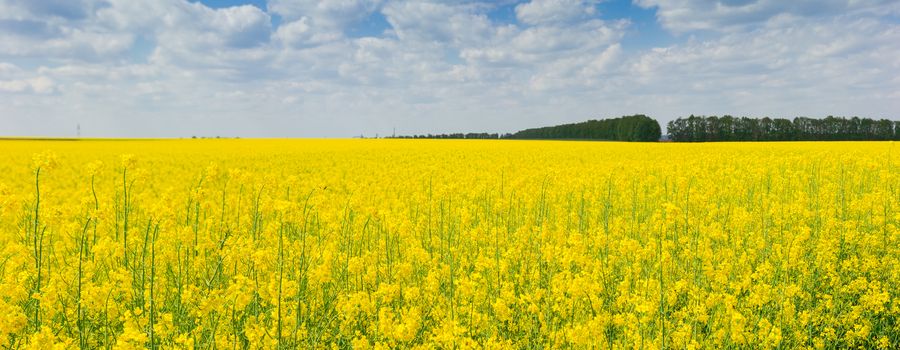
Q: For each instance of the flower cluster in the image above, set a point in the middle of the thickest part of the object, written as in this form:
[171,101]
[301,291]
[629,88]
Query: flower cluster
[426,244]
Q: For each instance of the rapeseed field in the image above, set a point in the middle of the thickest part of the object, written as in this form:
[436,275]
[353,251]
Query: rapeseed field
[261,244]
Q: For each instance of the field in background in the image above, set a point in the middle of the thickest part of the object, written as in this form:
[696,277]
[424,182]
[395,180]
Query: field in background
[441,243]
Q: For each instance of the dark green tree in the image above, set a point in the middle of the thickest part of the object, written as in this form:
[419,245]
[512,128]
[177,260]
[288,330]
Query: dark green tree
[702,128]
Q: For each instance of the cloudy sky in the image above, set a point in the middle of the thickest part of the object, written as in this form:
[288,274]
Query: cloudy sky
[341,68]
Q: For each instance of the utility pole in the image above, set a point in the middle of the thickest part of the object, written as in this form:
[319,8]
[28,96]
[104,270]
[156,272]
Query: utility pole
[78,130]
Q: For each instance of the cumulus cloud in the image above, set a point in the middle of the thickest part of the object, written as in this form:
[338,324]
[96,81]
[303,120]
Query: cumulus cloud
[437,22]
[65,9]
[553,11]
[685,15]
[802,67]
[318,21]
[38,85]
[336,13]
[17,80]
[177,68]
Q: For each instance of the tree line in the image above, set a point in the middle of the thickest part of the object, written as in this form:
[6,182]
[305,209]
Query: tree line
[628,128]
[471,135]
[636,127]
[729,128]
[640,127]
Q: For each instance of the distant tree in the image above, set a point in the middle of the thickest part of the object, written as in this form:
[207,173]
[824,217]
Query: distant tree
[628,128]
[884,129]
[727,128]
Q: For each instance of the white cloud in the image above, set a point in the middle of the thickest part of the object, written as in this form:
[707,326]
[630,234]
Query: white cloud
[300,34]
[59,38]
[685,15]
[38,85]
[554,11]
[327,13]
[241,26]
[237,27]
[427,21]
[177,68]
[802,67]
[64,9]
[228,43]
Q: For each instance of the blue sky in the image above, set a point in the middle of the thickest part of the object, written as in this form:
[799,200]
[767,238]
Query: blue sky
[341,68]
